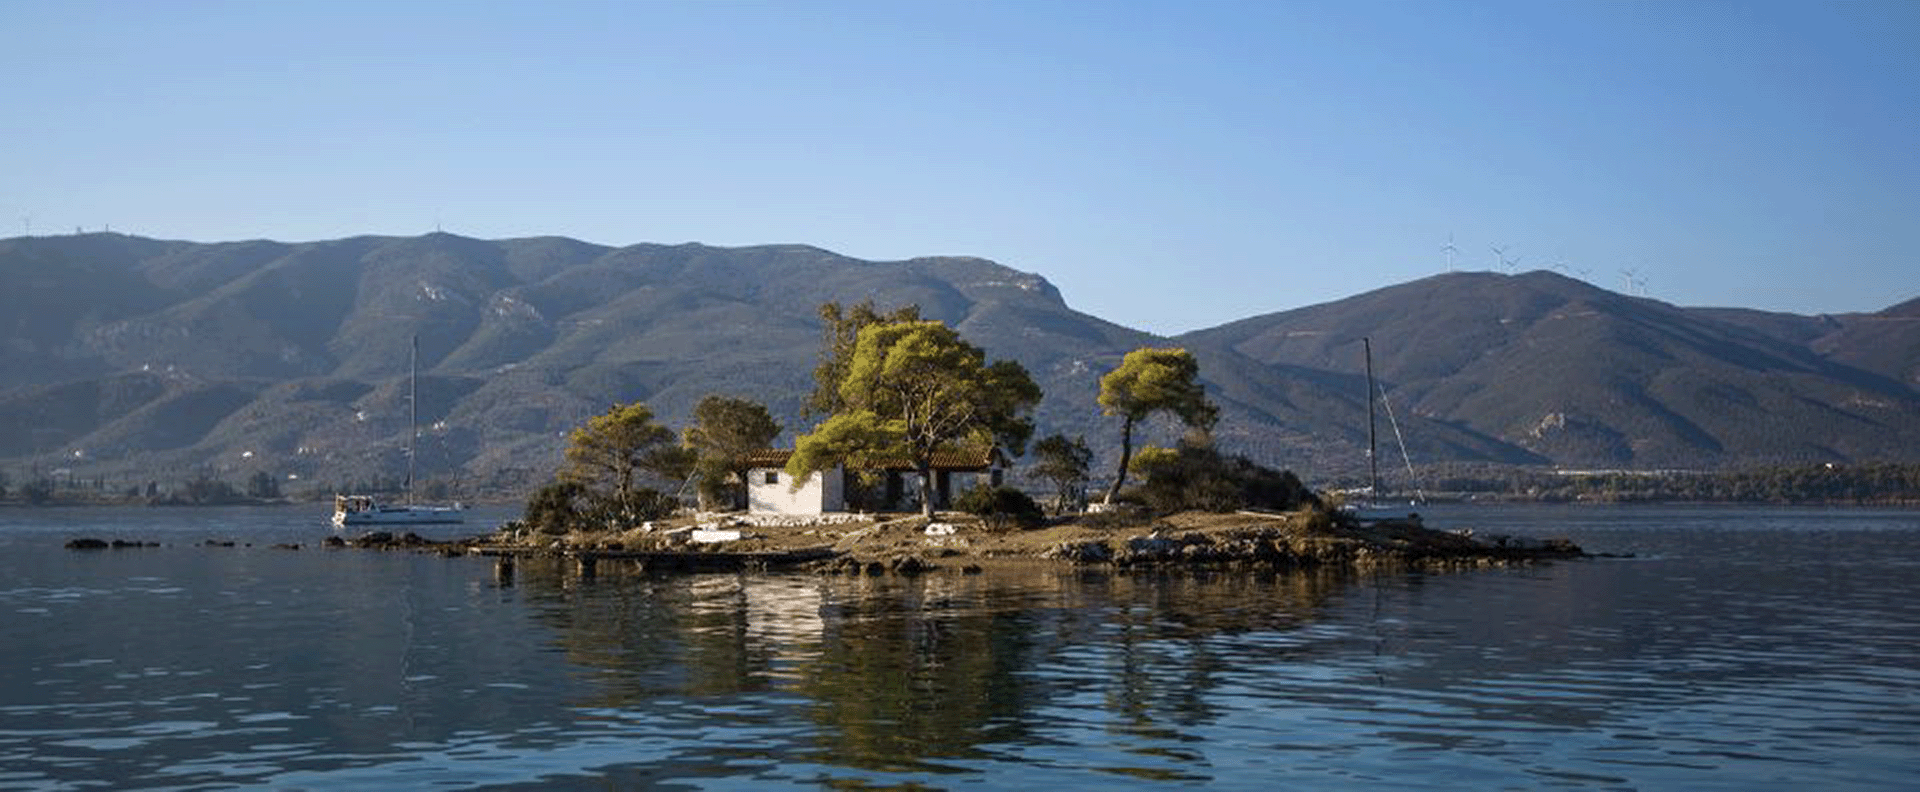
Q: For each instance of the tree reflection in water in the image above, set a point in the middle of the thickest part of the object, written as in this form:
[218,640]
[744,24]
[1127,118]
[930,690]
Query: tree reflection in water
[923,674]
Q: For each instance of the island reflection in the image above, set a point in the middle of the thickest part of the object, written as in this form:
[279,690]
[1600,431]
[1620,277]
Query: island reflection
[904,673]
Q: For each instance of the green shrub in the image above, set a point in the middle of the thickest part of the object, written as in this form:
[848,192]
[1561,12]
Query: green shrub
[1198,477]
[605,512]
[1001,508]
[652,504]
[556,507]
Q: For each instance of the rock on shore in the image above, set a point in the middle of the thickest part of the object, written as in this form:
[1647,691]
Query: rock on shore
[88,543]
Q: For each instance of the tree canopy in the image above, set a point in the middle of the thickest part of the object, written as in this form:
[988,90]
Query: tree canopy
[607,453]
[724,432]
[841,329]
[911,389]
[1151,380]
[1063,462]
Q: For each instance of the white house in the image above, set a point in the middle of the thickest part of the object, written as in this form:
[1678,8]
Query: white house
[770,489]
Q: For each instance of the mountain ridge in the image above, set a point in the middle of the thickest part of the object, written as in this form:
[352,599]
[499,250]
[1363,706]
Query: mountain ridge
[124,354]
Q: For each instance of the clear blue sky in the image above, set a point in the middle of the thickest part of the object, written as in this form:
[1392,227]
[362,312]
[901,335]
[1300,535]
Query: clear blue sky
[1169,166]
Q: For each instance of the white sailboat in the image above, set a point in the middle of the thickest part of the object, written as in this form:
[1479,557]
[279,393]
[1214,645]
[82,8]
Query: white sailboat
[368,510]
[1372,505]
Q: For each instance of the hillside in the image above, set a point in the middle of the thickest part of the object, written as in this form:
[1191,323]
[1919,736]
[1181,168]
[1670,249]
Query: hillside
[1885,342]
[1577,375]
[134,359]
[125,355]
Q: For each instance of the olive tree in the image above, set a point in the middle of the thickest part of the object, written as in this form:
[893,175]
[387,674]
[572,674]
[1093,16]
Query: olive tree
[912,389]
[1151,380]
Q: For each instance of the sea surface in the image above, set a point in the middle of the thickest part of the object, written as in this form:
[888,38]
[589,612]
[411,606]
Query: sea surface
[1738,649]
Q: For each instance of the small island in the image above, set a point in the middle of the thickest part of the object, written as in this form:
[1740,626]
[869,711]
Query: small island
[967,544]
[908,470]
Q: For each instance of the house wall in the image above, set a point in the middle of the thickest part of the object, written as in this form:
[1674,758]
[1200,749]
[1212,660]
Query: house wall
[817,495]
[959,481]
[948,485]
[828,494]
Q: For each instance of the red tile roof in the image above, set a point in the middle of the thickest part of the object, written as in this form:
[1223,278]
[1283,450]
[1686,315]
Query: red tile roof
[769,458]
[965,459]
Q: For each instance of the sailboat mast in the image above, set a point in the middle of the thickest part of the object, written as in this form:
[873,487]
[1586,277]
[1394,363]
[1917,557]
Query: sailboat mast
[1373,460]
[413,410]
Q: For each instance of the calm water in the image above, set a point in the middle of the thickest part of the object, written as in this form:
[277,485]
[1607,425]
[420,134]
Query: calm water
[1742,649]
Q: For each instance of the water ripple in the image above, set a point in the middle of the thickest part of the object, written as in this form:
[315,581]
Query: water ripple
[1724,657]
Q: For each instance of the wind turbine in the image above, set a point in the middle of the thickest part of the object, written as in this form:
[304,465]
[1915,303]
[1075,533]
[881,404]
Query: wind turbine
[1500,255]
[1450,250]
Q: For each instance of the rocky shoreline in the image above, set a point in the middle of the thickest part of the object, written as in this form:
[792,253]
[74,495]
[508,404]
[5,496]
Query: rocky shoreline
[955,543]
[914,545]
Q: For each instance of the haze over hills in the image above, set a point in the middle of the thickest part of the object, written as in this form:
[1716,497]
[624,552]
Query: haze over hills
[135,358]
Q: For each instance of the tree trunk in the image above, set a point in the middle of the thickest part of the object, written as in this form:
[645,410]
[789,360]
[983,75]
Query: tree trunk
[741,498]
[1126,455]
[623,492]
[926,489]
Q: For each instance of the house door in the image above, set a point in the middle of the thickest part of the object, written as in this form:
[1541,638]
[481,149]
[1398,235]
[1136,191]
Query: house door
[893,490]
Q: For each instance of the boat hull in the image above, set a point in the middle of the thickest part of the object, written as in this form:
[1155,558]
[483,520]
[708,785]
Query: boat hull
[1376,512]
[401,515]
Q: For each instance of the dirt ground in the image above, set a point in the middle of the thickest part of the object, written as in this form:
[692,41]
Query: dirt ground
[884,533]
[954,540]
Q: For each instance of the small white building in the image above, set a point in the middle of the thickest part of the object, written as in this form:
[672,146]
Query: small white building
[771,490]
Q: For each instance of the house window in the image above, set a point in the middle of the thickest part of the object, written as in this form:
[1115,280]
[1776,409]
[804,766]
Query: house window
[773,477]
[997,478]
